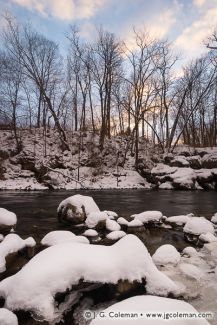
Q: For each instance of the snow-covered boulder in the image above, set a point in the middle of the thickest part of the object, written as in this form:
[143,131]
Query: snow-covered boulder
[111,214]
[196,227]
[179,161]
[209,160]
[161,170]
[214,219]
[112,225]
[207,238]
[115,235]
[166,186]
[149,217]
[12,244]
[58,268]
[62,236]
[8,220]
[184,178]
[166,254]
[7,317]
[179,220]
[142,305]
[189,251]
[76,208]
[95,219]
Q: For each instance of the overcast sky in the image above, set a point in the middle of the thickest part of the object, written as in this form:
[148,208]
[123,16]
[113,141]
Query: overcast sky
[185,22]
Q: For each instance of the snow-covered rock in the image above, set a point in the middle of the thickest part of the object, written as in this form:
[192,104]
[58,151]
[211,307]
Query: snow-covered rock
[166,254]
[148,217]
[111,214]
[112,225]
[12,243]
[115,235]
[198,226]
[166,186]
[94,218]
[7,317]
[135,223]
[90,233]
[57,268]
[76,208]
[62,236]
[179,161]
[214,219]
[8,219]
[142,305]
[122,221]
[189,251]
[207,238]
[180,220]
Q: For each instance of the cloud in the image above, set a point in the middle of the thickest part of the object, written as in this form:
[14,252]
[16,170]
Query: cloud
[199,3]
[158,26]
[62,9]
[192,39]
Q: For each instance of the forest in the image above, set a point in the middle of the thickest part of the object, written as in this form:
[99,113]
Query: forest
[107,87]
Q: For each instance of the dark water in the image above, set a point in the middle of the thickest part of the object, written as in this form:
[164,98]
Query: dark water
[37,216]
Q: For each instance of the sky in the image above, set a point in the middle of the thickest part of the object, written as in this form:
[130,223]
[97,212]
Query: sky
[187,23]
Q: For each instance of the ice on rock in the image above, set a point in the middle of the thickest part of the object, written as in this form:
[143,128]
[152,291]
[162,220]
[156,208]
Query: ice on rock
[148,216]
[12,243]
[7,218]
[115,235]
[148,304]
[208,238]
[62,236]
[57,268]
[166,254]
[112,225]
[198,226]
[7,317]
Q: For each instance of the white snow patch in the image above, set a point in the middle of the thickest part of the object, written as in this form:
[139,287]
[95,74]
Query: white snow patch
[179,220]
[81,203]
[94,218]
[166,254]
[198,226]
[112,225]
[148,216]
[62,236]
[214,218]
[191,271]
[7,218]
[166,186]
[122,221]
[7,317]
[115,235]
[90,233]
[208,238]
[189,251]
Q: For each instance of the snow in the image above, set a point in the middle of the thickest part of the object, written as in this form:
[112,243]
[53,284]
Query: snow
[7,218]
[184,176]
[214,218]
[12,243]
[198,226]
[115,235]
[148,216]
[62,236]
[135,223]
[208,238]
[90,233]
[94,218]
[189,251]
[7,317]
[166,254]
[82,204]
[111,214]
[122,221]
[162,169]
[112,225]
[58,267]
[30,184]
[179,220]
[148,304]
[166,186]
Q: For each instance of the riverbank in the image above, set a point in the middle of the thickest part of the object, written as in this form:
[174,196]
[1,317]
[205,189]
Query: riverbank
[42,164]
